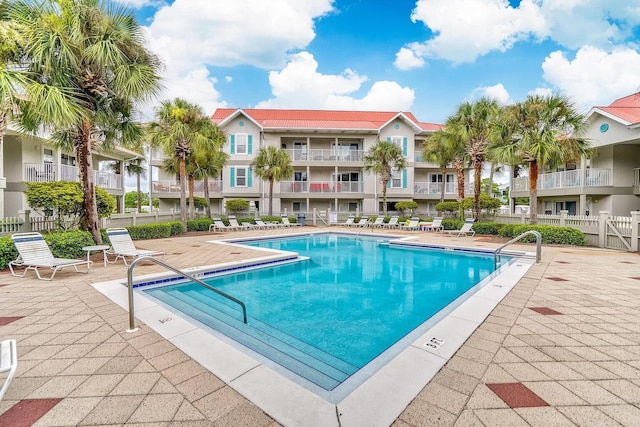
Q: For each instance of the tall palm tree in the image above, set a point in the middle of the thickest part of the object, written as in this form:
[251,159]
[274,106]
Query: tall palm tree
[272,164]
[210,165]
[540,131]
[441,148]
[382,159]
[180,129]
[93,53]
[473,123]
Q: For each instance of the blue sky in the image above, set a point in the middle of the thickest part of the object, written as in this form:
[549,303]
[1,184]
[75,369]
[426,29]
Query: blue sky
[423,56]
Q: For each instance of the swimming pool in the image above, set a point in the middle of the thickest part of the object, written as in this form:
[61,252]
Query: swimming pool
[375,394]
[329,315]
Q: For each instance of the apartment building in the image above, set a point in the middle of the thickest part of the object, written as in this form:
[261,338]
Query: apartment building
[27,158]
[610,180]
[327,150]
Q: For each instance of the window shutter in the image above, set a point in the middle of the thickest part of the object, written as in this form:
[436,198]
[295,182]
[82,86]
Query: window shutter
[404,176]
[232,182]
[249,175]
[233,144]
[249,144]
[389,182]
[404,146]
[388,139]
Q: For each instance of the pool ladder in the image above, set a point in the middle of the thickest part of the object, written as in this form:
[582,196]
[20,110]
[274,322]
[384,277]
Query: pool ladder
[132,321]
[496,253]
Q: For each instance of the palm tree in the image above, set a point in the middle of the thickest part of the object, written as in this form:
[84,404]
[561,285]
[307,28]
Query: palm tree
[181,129]
[272,164]
[442,148]
[210,165]
[473,123]
[92,54]
[541,131]
[382,159]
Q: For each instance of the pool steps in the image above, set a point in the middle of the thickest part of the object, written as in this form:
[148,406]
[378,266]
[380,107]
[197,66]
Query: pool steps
[309,362]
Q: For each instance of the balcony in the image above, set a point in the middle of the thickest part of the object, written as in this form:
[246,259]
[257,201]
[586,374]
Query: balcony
[435,188]
[46,172]
[321,186]
[567,179]
[326,155]
[172,187]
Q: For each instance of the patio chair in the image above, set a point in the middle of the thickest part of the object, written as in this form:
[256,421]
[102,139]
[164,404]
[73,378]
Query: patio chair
[219,225]
[412,225]
[122,246]
[8,363]
[465,230]
[377,223]
[263,225]
[436,225]
[287,223]
[34,253]
[349,222]
[393,222]
[233,221]
[362,223]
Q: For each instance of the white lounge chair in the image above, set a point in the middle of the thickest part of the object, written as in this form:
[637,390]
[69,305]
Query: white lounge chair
[122,246]
[8,363]
[233,221]
[412,225]
[436,225]
[218,225]
[287,223]
[349,222]
[465,230]
[263,225]
[377,223]
[34,253]
[393,222]
[362,223]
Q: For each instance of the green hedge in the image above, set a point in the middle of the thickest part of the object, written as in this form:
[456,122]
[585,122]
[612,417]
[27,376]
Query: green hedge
[150,231]
[200,224]
[552,235]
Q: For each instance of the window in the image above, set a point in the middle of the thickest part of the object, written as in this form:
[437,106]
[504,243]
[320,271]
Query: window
[299,176]
[396,179]
[296,206]
[241,177]
[241,143]
[397,140]
[67,160]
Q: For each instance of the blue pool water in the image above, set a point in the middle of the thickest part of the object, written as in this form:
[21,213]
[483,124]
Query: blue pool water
[349,302]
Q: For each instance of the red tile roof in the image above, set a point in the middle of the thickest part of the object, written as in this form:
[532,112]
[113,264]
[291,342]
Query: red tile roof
[626,108]
[321,119]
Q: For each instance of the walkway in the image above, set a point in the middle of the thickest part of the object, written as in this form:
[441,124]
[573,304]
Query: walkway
[563,348]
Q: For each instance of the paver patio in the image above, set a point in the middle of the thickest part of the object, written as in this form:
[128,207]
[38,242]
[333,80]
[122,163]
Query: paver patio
[562,348]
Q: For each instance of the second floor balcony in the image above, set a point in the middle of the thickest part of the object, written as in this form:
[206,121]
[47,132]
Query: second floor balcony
[47,172]
[321,186]
[326,155]
[167,186]
[567,179]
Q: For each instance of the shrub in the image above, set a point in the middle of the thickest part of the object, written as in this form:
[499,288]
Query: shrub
[200,224]
[552,234]
[492,228]
[8,252]
[507,230]
[450,207]
[150,231]
[487,203]
[406,207]
[236,205]
[68,244]
[452,223]
[176,228]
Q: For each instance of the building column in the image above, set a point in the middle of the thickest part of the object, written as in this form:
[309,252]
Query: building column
[583,204]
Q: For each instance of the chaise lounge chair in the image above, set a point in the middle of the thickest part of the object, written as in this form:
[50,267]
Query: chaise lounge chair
[412,225]
[349,222]
[362,223]
[287,223]
[436,225]
[465,230]
[122,246]
[393,222]
[233,221]
[218,225]
[34,253]
[377,223]
[8,363]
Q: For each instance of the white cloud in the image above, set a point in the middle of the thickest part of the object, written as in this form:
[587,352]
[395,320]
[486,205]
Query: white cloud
[300,85]
[136,4]
[407,59]
[494,25]
[497,92]
[541,91]
[594,76]
[228,79]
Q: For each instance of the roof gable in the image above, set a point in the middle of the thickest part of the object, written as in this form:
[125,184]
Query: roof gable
[625,110]
[318,119]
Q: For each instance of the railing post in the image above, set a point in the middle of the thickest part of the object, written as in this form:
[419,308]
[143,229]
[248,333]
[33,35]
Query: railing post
[134,218]
[314,217]
[563,218]
[635,231]
[602,229]
[25,215]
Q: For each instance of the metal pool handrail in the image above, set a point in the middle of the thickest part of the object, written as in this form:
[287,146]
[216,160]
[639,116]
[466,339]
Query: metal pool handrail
[496,253]
[132,326]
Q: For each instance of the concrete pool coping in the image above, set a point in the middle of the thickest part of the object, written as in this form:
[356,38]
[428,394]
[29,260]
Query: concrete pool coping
[378,401]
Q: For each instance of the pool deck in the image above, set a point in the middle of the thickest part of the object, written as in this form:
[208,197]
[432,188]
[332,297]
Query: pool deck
[562,348]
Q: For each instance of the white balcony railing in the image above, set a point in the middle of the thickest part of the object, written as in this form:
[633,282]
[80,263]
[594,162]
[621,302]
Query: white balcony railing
[326,155]
[567,179]
[215,186]
[435,188]
[321,186]
[46,172]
